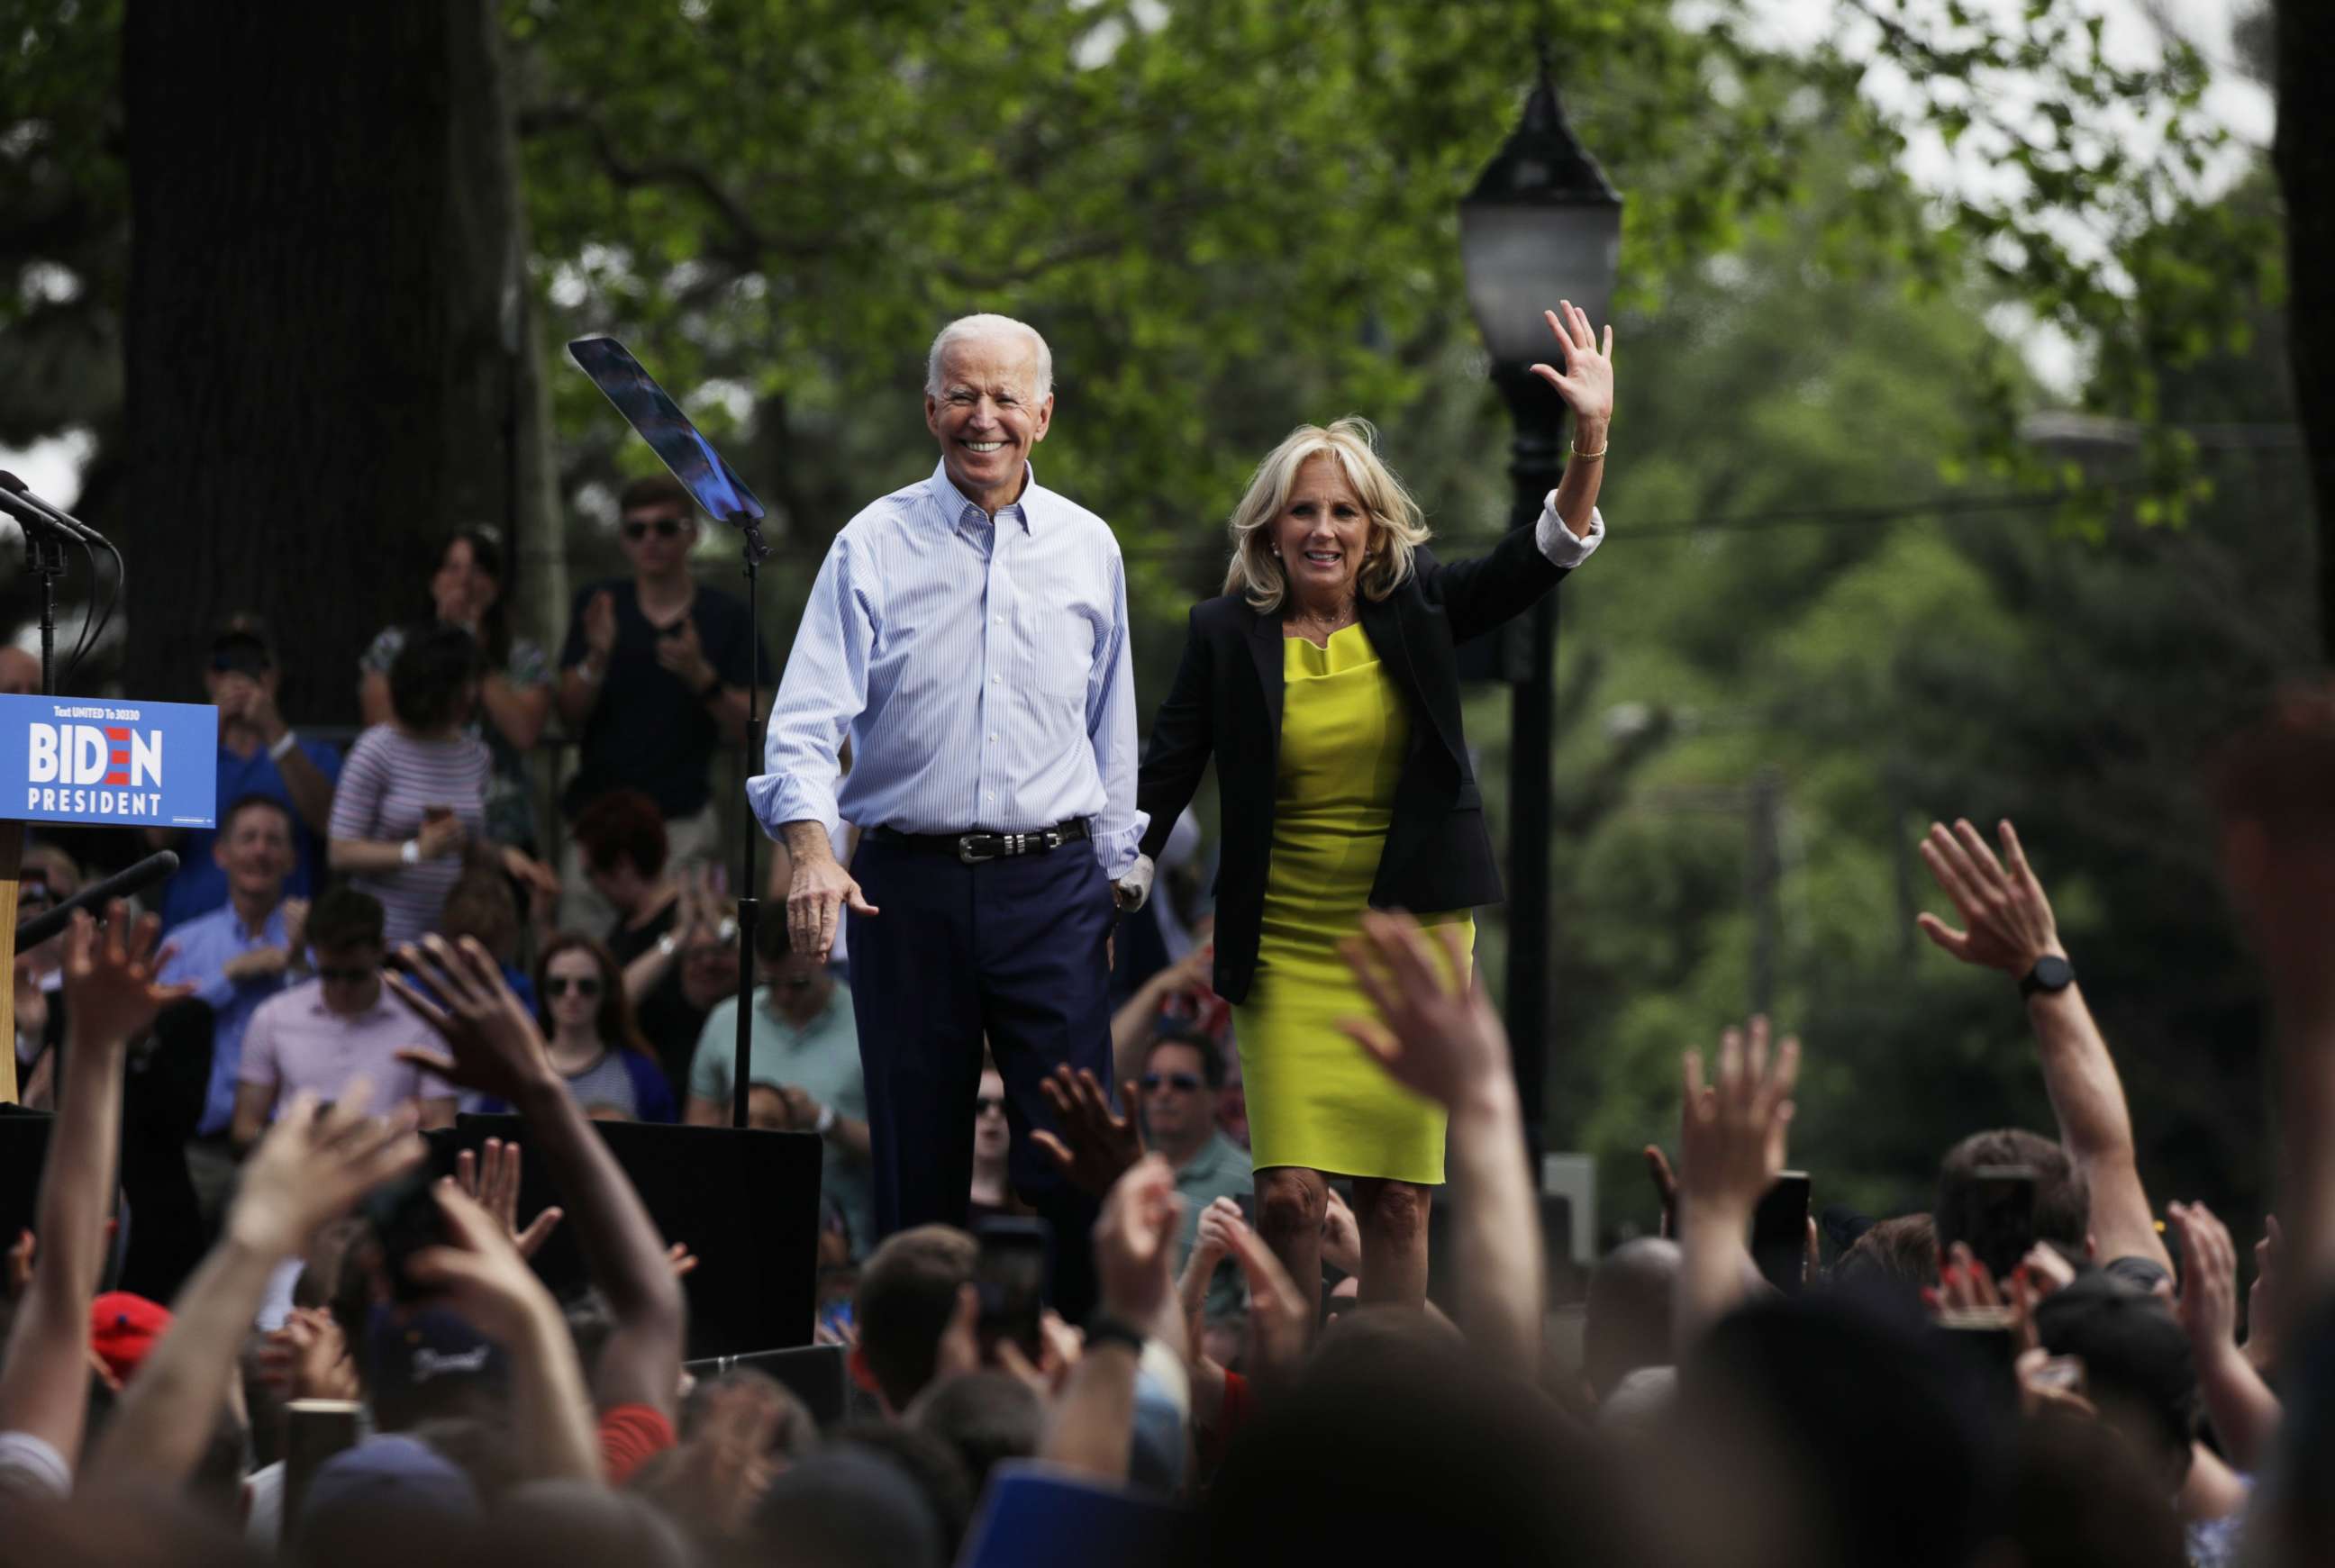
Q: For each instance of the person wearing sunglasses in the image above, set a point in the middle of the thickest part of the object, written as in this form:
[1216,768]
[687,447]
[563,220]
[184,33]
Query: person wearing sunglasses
[341,1028]
[653,678]
[596,1049]
[1183,1072]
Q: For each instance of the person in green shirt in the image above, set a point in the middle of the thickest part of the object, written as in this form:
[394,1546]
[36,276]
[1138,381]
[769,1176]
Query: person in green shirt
[1182,1071]
[805,1043]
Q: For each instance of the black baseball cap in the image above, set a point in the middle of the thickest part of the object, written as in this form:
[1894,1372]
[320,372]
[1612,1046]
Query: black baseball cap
[242,643]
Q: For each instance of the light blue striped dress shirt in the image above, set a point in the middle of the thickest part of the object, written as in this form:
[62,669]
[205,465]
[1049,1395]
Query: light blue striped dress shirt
[980,669]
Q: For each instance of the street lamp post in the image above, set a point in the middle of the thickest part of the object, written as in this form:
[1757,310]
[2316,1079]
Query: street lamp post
[1542,224]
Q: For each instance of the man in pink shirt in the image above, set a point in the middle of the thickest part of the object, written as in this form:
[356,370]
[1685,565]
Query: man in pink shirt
[341,1025]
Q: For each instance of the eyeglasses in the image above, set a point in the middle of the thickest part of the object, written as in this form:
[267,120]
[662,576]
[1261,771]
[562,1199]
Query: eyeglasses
[346,976]
[1181,1083]
[988,1105]
[561,984]
[666,528]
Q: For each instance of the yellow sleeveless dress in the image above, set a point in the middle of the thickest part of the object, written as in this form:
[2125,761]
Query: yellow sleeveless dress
[1314,1097]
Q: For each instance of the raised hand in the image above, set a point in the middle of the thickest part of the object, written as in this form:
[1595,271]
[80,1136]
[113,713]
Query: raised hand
[1280,1315]
[313,1165]
[600,625]
[493,1044]
[2262,1302]
[1586,382]
[1665,1184]
[1135,1244]
[477,1269]
[2007,918]
[2207,1302]
[1097,1146]
[308,1358]
[111,993]
[1341,1235]
[2245,1413]
[493,1184]
[1434,1034]
[684,655]
[1732,1135]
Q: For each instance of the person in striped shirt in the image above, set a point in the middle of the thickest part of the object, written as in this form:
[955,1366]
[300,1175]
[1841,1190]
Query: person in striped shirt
[413,790]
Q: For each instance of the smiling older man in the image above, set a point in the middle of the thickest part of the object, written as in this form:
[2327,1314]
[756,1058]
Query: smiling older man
[969,634]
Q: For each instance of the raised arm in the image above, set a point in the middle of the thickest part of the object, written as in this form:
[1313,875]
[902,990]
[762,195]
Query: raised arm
[110,999]
[2009,927]
[1480,594]
[1731,1146]
[1091,1428]
[2243,1410]
[483,1275]
[496,1049]
[307,1171]
[1437,1035]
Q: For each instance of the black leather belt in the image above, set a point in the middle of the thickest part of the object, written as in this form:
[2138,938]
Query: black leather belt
[974,848]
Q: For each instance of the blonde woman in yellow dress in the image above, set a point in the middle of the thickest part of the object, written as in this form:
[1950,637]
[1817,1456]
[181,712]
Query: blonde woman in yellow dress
[1324,685]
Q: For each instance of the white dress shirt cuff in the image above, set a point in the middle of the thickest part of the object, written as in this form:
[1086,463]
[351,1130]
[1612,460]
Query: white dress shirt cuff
[778,798]
[1137,885]
[1561,545]
[1118,849]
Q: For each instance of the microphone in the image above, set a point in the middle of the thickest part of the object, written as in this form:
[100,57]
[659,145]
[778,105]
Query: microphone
[20,501]
[96,895]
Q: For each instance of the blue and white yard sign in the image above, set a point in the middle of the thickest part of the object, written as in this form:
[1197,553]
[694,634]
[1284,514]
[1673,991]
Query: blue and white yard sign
[139,764]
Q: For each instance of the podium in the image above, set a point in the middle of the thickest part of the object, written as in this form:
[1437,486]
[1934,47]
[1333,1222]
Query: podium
[745,1201]
[95,762]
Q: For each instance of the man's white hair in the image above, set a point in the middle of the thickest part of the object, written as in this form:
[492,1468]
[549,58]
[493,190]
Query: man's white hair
[976,328]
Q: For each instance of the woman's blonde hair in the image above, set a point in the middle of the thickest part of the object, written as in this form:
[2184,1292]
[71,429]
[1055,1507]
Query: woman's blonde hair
[1397,525]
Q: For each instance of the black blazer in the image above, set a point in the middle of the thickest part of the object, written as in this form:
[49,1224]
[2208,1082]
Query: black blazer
[1227,701]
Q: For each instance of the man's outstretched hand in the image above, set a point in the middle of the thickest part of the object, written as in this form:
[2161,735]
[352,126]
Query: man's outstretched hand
[2006,918]
[492,1044]
[111,984]
[1096,1146]
[1731,1134]
[1434,1034]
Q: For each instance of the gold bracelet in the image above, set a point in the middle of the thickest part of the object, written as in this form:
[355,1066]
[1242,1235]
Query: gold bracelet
[1591,456]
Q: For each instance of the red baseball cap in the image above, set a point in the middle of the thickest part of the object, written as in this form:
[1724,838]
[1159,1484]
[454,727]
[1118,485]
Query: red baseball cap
[124,1329]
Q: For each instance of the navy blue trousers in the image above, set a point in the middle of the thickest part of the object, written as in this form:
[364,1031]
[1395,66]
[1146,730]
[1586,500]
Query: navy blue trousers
[1015,949]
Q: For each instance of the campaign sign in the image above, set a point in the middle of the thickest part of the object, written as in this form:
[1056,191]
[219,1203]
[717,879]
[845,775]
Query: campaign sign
[139,764]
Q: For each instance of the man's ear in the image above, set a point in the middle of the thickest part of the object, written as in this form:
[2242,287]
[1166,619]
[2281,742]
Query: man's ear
[2091,1246]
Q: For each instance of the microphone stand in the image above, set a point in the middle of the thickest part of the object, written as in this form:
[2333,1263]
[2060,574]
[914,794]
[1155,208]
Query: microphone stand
[44,553]
[750,904]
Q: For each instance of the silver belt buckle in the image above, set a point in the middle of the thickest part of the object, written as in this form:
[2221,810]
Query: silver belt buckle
[966,853]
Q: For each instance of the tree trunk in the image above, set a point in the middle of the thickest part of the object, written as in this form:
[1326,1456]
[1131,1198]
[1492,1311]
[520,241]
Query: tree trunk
[2304,154]
[326,337]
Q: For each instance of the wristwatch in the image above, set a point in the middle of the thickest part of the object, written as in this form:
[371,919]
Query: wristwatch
[2050,975]
[1103,1329]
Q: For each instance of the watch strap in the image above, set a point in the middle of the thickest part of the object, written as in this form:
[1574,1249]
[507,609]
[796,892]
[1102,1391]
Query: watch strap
[1103,1329]
[2037,982]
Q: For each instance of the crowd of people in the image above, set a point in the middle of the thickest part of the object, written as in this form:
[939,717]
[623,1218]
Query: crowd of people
[246,1322]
